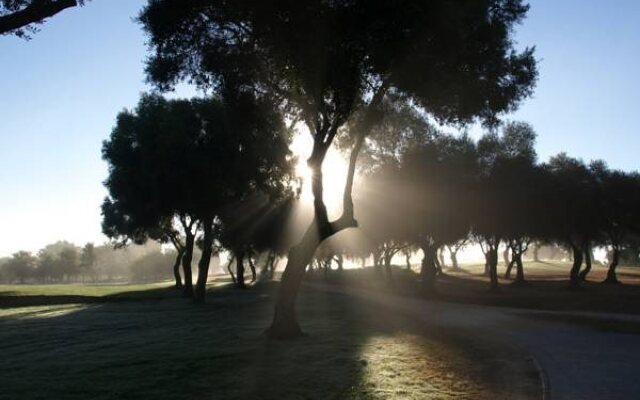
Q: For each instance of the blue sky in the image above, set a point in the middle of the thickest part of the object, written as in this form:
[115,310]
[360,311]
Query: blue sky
[60,93]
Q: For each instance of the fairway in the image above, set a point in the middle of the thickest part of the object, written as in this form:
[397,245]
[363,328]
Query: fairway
[145,341]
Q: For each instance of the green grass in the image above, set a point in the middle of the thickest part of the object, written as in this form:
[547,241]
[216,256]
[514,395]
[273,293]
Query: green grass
[144,342]
[77,289]
[547,287]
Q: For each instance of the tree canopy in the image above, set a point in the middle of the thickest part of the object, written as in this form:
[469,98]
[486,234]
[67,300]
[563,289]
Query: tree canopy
[328,61]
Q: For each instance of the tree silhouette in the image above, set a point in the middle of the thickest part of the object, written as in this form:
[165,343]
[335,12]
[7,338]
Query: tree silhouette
[19,17]
[20,266]
[187,159]
[436,182]
[88,261]
[619,196]
[572,210]
[516,175]
[327,61]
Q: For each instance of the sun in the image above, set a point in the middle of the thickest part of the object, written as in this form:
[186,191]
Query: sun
[334,172]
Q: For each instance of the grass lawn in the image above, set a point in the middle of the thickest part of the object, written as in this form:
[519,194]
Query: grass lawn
[144,342]
[547,288]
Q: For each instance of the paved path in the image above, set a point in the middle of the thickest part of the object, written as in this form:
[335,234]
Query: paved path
[578,361]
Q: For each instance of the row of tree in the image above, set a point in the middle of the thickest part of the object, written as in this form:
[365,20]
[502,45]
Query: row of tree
[64,262]
[443,191]
[204,173]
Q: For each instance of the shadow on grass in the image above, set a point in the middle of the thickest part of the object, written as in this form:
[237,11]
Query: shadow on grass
[542,292]
[156,345]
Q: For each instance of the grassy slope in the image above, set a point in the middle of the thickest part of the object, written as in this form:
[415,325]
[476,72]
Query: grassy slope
[547,289]
[152,344]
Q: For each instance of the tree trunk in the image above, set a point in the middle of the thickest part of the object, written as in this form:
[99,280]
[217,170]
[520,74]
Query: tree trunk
[436,263]
[505,257]
[285,324]
[253,269]
[205,261]
[519,269]
[587,262]
[512,262]
[233,277]
[176,270]
[441,260]
[487,268]
[428,270]
[240,270]
[407,260]
[34,13]
[377,258]
[454,259]
[187,291]
[387,269]
[612,277]
[493,267]
[272,264]
[574,275]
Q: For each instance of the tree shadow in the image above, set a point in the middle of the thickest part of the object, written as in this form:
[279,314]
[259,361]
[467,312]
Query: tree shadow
[153,344]
[13,299]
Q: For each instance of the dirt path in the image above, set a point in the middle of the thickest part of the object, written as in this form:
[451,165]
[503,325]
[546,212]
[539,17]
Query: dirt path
[581,355]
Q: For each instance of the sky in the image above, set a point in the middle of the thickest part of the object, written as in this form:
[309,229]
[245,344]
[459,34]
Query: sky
[61,91]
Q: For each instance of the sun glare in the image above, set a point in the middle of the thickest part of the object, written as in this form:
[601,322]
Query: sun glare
[334,171]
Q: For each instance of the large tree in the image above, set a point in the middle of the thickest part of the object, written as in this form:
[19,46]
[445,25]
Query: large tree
[517,177]
[330,60]
[619,197]
[438,184]
[188,159]
[574,211]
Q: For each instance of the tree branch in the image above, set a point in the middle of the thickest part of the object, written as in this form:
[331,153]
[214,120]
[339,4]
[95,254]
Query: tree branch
[33,13]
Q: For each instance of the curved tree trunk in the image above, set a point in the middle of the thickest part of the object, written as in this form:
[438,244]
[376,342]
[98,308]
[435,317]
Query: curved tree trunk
[588,256]
[436,263]
[454,259]
[254,276]
[285,324]
[34,13]
[187,257]
[205,261]
[612,277]
[176,270]
[441,261]
[229,263]
[507,273]
[519,269]
[574,274]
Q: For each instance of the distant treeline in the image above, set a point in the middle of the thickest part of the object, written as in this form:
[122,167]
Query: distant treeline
[64,262]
